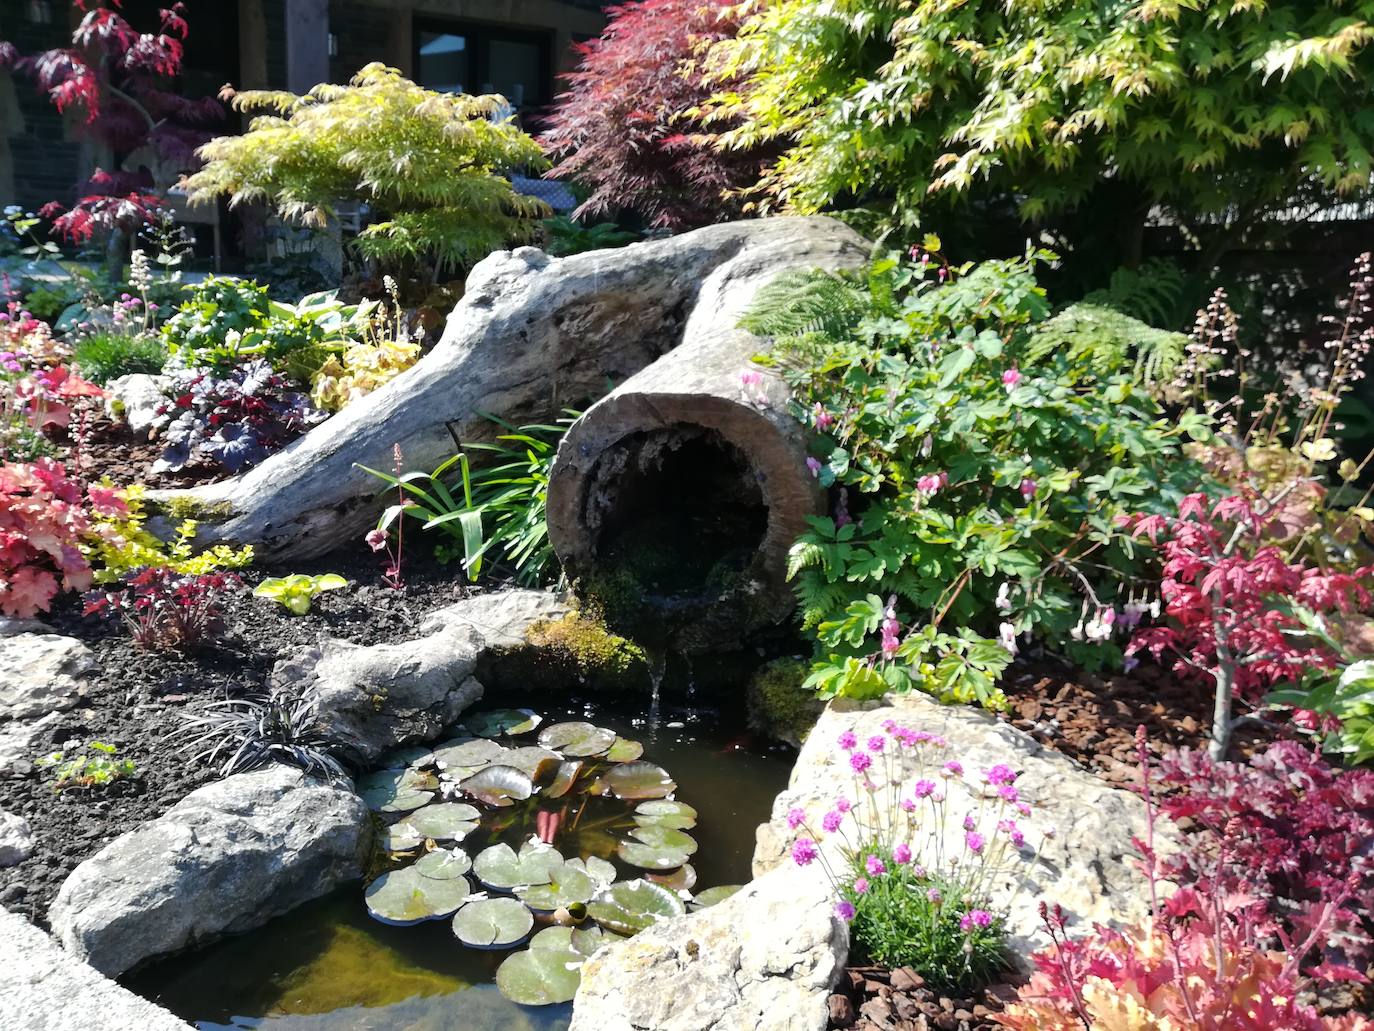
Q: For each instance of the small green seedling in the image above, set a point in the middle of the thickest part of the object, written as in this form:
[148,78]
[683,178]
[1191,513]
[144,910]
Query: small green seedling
[87,771]
[297,590]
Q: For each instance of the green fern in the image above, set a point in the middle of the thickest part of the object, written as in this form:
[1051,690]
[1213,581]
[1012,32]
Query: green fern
[1107,342]
[1155,292]
[802,301]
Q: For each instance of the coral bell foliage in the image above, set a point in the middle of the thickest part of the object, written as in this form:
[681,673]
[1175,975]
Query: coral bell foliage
[626,126]
[121,81]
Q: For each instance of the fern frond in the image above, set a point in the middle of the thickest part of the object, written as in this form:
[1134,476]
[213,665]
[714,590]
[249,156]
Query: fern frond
[1107,342]
[802,301]
[1155,292]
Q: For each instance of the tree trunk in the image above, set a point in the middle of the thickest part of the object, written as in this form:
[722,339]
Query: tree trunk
[532,335]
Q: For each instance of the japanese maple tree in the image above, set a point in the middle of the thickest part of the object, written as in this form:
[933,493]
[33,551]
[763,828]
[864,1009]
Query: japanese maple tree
[626,126]
[122,82]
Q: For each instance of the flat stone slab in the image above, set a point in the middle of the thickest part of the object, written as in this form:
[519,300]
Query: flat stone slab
[763,960]
[1079,850]
[44,988]
[41,674]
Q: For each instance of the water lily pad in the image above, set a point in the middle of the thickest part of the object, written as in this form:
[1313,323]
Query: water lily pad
[402,837]
[540,977]
[577,739]
[631,906]
[586,941]
[602,872]
[665,812]
[444,864]
[507,722]
[665,838]
[406,755]
[714,896]
[444,821]
[569,883]
[473,753]
[563,779]
[684,878]
[502,868]
[639,780]
[485,923]
[624,750]
[499,786]
[404,897]
[397,791]
[651,857]
[537,762]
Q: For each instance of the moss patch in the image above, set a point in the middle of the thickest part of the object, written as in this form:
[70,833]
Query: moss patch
[577,649]
[778,705]
[179,509]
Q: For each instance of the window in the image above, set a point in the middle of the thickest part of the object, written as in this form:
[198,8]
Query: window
[465,58]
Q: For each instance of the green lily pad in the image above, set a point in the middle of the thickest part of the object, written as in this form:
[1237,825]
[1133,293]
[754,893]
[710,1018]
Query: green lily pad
[499,786]
[639,780]
[485,923]
[502,868]
[665,812]
[540,977]
[537,762]
[568,884]
[404,897]
[563,779]
[443,821]
[467,753]
[586,941]
[665,838]
[397,791]
[631,906]
[600,871]
[406,755]
[684,878]
[624,750]
[714,896]
[507,722]
[577,739]
[402,837]
[444,864]
[651,857]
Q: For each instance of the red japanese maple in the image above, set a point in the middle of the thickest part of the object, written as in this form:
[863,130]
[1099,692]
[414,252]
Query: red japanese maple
[625,126]
[1228,596]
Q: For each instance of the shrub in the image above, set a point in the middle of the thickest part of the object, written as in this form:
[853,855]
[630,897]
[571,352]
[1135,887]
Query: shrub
[913,874]
[432,166]
[979,475]
[105,356]
[43,518]
[564,236]
[627,125]
[235,421]
[207,325]
[169,611]
[1202,108]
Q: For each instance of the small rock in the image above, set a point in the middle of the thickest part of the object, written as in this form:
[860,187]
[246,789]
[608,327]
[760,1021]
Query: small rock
[878,1012]
[12,894]
[16,839]
[841,1010]
[904,979]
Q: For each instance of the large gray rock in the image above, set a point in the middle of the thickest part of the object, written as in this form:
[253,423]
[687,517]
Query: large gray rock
[40,673]
[375,697]
[43,988]
[16,839]
[531,335]
[226,858]
[763,960]
[1080,832]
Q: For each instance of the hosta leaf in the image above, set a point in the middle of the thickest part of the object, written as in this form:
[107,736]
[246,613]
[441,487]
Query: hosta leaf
[404,897]
[639,780]
[579,740]
[631,906]
[485,923]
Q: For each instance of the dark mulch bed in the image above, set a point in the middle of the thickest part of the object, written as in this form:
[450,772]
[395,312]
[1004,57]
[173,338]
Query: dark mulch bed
[112,449]
[134,699]
[876,999]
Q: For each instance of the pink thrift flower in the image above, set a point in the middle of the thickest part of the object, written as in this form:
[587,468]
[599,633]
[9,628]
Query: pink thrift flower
[803,851]
[875,744]
[860,761]
[875,866]
[842,804]
[845,911]
[831,821]
[848,741]
[1000,774]
[934,895]
[861,886]
[902,853]
[1008,793]
[954,768]
[968,822]
[908,805]
[975,842]
[924,788]
[795,818]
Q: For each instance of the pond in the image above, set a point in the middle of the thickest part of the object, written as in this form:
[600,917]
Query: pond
[329,966]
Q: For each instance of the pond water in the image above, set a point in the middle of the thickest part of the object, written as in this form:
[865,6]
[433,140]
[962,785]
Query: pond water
[328,966]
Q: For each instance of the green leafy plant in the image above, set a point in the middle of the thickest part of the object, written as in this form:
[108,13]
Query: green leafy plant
[564,236]
[1342,697]
[978,480]
[89,770]
[432,166]
[297,591]
[103,356]
[241,734]
[496,509]
[1220,112]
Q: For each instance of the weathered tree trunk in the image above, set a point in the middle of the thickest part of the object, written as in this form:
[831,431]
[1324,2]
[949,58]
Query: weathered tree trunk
[674,500]
[531,336]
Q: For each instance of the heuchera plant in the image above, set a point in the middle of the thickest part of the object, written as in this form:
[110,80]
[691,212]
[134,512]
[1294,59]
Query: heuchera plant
[236,420]
[626,125]
[43,518]
[169,611]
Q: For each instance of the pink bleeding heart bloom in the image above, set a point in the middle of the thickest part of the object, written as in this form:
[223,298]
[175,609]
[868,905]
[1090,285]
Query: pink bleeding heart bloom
[1028,488]
[823,419]
[750,378]
[814,466]
[804,851]
[376,539]
[1010,378]
[875,866]
[928,484]
[902,853]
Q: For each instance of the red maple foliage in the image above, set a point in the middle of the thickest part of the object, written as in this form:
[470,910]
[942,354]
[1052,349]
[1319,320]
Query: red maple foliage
[123,81]
[624,125]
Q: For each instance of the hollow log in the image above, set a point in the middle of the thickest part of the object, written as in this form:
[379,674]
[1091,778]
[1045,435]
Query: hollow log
[674,499]
[531,336]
